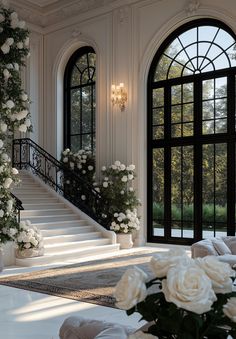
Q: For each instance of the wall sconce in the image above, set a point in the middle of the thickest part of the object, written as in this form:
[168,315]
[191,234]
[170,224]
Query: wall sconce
[119,96]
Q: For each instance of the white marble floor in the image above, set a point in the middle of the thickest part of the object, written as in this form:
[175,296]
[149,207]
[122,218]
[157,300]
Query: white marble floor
[30,315]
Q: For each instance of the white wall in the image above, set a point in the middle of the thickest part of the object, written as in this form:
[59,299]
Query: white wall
[125,39]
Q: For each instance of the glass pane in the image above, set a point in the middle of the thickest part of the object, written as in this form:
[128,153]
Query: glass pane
[75,77]
[158,132]
[173,49]
[231,55]
[75,143]
[208,89]
[208,109]
[86,141]
[207,33]
[221,108]
[176,131]
[92,59]
[188,112]
[158,116]
[182,191]
[189,36]
[188,92]
[208,127]
[158,192]
[158,97]
[176,113]
[221,126]
[175,70]
[176,94]
[75,111]
[221,87]
[214,190]
[86,109]
[162,68]
[221,62]
[224,39]
[187,129]
[82,62]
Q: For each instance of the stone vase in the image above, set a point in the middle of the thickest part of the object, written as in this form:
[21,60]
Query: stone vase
[1,260]
[125,240]
[29,253]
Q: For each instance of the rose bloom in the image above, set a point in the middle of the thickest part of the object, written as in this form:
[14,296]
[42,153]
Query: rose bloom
[7,182]
[229,309]
[188,287]
[161,262]
[220,273]
[131,289]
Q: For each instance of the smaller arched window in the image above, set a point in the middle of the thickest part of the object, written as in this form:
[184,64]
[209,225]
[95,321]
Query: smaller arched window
[79,100]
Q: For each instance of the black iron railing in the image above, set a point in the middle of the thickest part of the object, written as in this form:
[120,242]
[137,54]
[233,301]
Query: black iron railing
[26,154]
[18,205]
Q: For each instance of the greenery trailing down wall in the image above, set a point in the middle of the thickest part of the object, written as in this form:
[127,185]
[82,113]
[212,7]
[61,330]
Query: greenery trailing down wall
[14,113]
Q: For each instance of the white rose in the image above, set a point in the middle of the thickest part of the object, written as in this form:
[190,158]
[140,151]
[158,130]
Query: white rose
[3,127]
[90,168]
[22,128]
[124,178]
[1,143]
[65,160]
[14,16]
[14,23]
[9,206]
[83,197]
[16,66]
[6,74]
[20,45]
[131,189]
[27,122]
[15,171]
[5,157]
[1,213]
[21,24]
[114,167]
[117,163]
[160,263]
[229,309]
[130,176]
[188,287]
[9,41]
[131,289]
[10,104]
[2,18]
[122,167]
[24,96]
[72,165]
[105,184]
[26,41]
[5,48]
[131,168]
[7,182]
[141,335]
[104,168]
[219,272]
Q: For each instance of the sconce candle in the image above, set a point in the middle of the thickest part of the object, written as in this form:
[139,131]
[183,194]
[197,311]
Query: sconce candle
[119,96]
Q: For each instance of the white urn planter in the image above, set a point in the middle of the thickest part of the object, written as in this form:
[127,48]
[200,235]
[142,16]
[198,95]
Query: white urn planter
[125,240]
[29,253]
[1,260]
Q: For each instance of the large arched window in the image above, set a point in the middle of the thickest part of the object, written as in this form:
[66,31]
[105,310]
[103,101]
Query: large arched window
[79,100]
[191,134]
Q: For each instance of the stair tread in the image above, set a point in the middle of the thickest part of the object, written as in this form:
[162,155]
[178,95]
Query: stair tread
[73,235]
[72,243]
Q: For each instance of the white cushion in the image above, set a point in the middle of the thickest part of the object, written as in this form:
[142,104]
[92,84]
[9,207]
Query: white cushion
[220,247]
[230,241]
[228,258]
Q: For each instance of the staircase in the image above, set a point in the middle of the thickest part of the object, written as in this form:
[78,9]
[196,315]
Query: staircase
[68,233]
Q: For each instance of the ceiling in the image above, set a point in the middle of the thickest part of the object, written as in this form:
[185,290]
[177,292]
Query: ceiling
[48,12]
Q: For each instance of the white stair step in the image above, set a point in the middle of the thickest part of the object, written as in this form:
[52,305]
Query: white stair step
[67,230]
[47,212]
[51,225]
[35,200]
[62,256]
[30,195]
[44,206]
[41,219]
[73,245]
[58,239]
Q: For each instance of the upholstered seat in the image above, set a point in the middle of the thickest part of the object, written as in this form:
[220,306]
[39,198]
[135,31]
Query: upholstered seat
[224,248]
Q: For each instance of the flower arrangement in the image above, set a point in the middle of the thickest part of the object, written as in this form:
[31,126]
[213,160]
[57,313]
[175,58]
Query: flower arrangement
[82,162]
[189,298]
[116,187]
[28,237]
[14,113]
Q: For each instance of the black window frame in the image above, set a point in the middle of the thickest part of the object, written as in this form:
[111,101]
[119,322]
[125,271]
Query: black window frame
[67,100]
[195,141]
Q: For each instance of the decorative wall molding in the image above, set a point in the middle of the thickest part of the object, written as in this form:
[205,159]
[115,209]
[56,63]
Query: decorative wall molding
[192,7]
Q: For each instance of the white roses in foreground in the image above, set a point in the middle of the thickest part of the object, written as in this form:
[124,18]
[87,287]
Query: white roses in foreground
[194,297]
[131,289]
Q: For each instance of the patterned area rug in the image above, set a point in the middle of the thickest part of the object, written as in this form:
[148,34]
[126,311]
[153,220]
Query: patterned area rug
[91,282]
